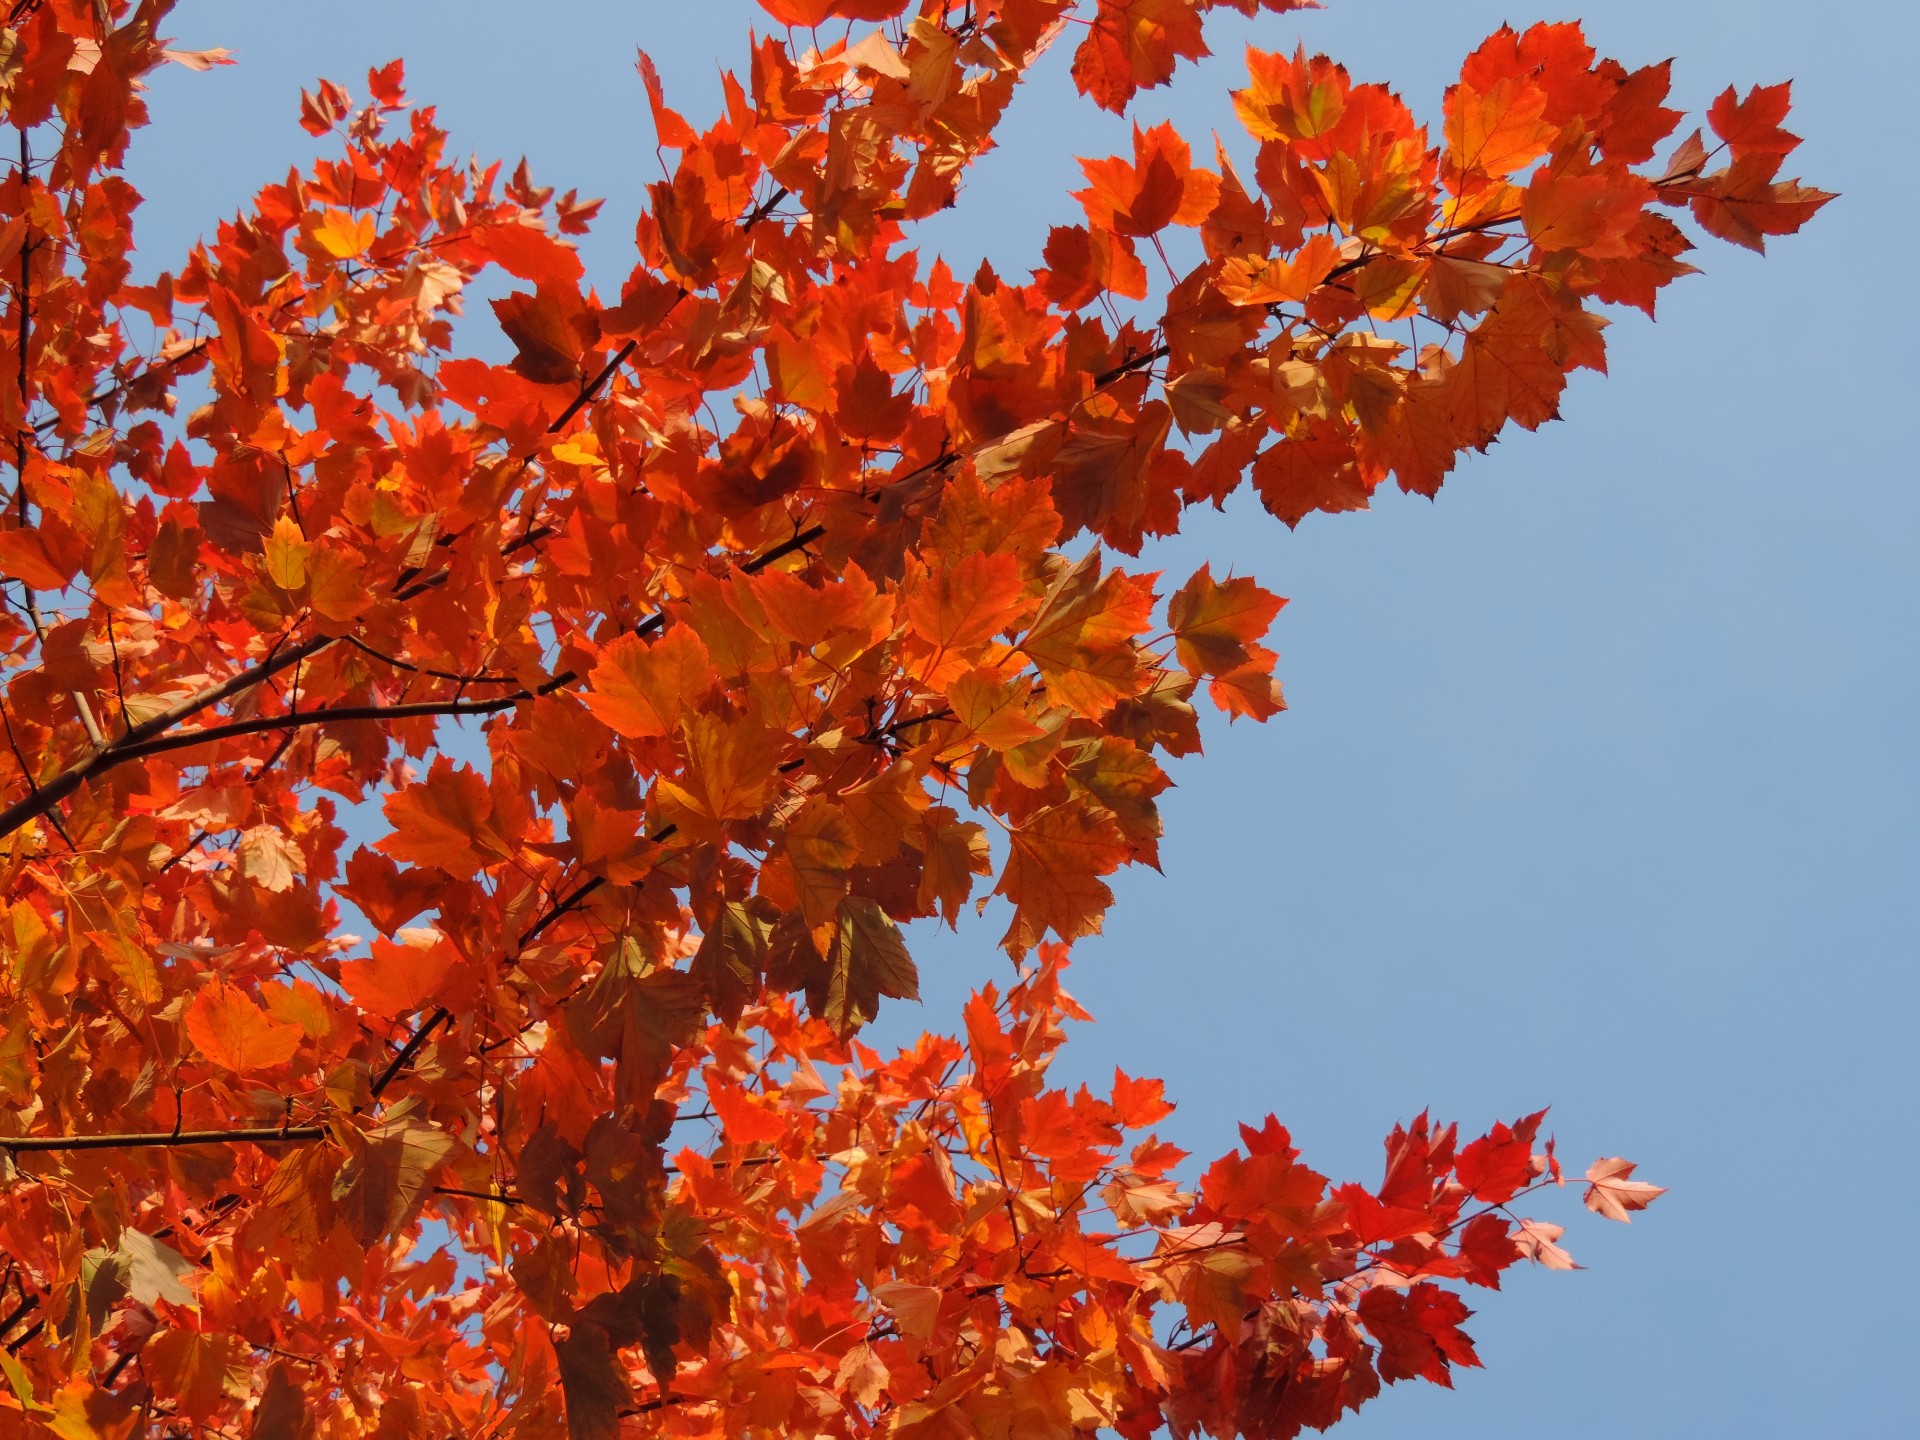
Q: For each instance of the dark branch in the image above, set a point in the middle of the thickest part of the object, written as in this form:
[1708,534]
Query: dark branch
[764,208]
[406,1053]
[294,720]
[800,541]
[160,1139]
[460,1194]
[592,387]
[1128,366]
[150,736]
[19,1312]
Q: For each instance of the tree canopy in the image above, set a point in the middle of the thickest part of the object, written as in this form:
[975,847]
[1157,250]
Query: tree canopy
[775,582]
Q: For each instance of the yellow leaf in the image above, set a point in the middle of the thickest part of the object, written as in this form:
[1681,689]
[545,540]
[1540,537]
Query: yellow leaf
[287,551]
[134,966]
[336,588]
[730,769]
[344,235]
[83,1411]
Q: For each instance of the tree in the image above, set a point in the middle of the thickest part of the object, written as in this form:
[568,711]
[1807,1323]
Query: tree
[751,692]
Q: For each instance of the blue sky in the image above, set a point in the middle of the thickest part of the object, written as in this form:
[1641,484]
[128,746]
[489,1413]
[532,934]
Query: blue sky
[1599,788]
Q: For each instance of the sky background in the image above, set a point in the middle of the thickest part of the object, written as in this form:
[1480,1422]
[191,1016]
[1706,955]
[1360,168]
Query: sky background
[1598,788]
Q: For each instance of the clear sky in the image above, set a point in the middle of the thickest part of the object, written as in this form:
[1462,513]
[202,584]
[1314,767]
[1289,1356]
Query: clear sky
[1600,786]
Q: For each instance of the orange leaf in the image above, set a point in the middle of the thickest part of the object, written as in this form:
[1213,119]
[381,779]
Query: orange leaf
[729,770]
[1213,624]
[962,606]
[24,557]
[344,235]
[641,687]
[1052,873]
[1158,189]
[528,252]
[401,978]
[235,1034]
[1133,45]
[447,821]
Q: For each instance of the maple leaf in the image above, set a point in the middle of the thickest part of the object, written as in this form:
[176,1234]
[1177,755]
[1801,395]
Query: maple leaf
[446,821]
[551,330]
[1612,1193]
[1753,124]
[591,1380]
[641,687]
[343,235]
[729,771]
[959,607]
[388,1175]
[1052,871]
[236,1034]
[811,13]
[915,1308]
[1419,1332]
[1498,1165]
[1214,624]
[1537,1241]
[198,1371]
[1133,45]
[399,978]
[1083,638]
[153,1270]
[1158,189]
[865,959]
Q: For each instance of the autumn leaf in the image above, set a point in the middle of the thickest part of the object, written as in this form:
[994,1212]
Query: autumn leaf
[198,1371]
[1083,637]
[1214,624]
[641,687]
[915,1308]
[154,1271]
[1052,869]
[446,821]
[595,1390]
[961,607]
[399,979]
[1132,45]
[237,1035]
[866,959]
[1160,187]
[551,330]
[388,1175]
[344,235]
[729,771]
[1612,1193]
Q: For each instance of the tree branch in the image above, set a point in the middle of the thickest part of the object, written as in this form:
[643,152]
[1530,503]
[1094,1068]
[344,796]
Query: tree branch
[800,541]
[296,719]
[150,737]
[161,1139]
[407,1051]
[592,387]
[19,1312]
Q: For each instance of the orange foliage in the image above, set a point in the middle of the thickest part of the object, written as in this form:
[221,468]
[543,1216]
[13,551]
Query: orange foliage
[755,692]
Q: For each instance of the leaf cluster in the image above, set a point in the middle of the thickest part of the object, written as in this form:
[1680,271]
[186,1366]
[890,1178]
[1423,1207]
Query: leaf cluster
[759,606]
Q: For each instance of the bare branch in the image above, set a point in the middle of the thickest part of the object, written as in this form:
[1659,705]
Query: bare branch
[164,1139]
